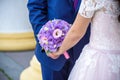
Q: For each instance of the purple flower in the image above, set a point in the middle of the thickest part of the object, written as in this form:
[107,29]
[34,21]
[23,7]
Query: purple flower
[52,34]
[57,33]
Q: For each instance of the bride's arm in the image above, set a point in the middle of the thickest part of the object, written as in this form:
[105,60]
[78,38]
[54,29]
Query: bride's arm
[76,32]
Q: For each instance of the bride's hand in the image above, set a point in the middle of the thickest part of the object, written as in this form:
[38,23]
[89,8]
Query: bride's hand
[54,55]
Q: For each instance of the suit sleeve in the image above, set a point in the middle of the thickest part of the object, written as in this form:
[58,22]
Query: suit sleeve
[37,14]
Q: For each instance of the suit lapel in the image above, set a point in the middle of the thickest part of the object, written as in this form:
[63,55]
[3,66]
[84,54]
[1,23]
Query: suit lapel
[78,5]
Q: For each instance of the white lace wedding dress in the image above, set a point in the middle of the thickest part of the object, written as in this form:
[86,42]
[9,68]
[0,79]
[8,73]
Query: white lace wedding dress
[100,59]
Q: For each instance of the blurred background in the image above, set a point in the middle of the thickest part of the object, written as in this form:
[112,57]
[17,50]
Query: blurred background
[17,43]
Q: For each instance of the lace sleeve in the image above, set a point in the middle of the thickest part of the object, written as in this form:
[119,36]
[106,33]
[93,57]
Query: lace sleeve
[88,7]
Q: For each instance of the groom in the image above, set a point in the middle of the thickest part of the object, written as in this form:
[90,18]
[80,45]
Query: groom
[40,11]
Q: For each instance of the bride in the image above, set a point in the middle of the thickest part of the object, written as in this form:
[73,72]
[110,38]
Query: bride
[100,58]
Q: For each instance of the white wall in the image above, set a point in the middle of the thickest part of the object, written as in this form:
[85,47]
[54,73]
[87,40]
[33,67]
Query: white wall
[14,16]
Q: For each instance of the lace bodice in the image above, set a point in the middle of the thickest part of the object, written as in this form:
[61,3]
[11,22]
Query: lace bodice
[105,28]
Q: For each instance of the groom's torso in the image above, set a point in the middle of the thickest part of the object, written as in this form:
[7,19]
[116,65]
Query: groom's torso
[57,9]
[61,9]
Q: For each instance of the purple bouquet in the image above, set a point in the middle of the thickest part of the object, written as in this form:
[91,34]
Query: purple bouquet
[52,34]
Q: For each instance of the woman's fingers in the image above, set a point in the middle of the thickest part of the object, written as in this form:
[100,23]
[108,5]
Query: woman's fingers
[52,55]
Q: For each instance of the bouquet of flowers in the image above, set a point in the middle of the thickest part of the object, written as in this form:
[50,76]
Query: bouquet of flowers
[52,34]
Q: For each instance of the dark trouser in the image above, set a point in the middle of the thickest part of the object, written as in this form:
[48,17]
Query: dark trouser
[63,74]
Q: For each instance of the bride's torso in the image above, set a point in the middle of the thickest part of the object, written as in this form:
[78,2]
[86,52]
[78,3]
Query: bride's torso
[105,28]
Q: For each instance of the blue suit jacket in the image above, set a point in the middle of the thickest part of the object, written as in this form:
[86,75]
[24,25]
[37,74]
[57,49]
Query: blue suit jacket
[40,11]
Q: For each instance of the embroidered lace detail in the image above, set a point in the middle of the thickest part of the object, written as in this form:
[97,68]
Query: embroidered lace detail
[89,7]
[105,28]
[115,65]
[95,64]
[100,58]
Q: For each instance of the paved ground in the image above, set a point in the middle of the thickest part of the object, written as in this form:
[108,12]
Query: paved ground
[13,63]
